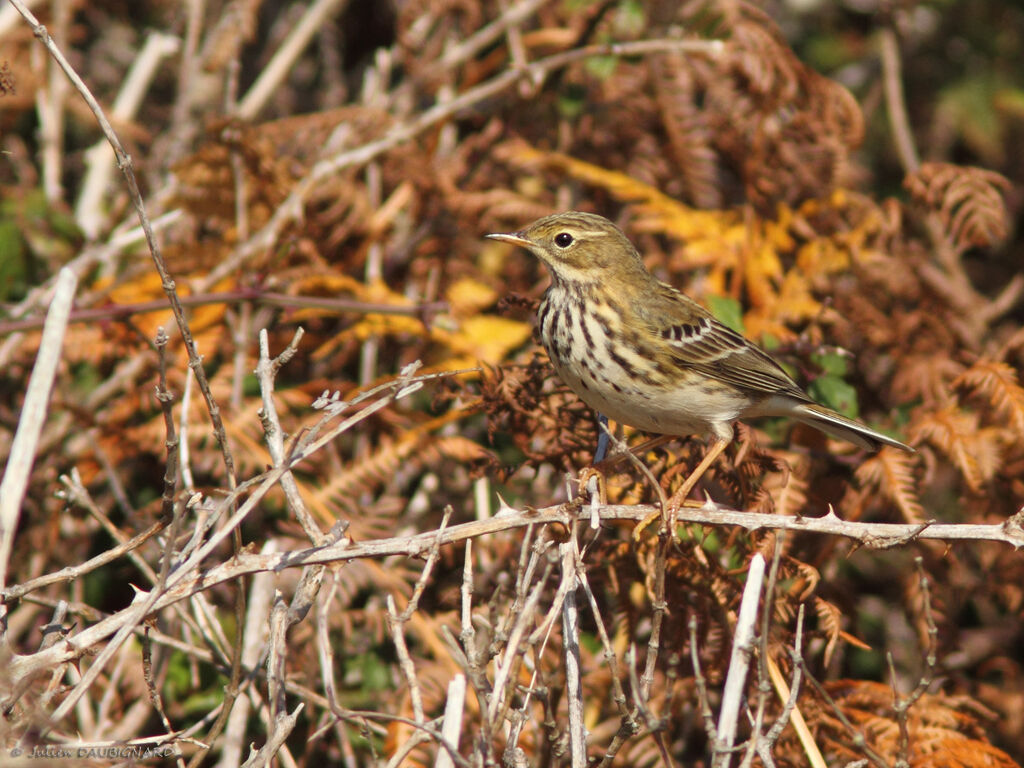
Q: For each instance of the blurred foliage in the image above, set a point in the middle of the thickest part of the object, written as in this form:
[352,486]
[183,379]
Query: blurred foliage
[762,179]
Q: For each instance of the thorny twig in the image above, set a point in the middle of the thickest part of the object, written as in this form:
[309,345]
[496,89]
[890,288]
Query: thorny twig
[188,581]
[857,736]
[397,621]
[902,705]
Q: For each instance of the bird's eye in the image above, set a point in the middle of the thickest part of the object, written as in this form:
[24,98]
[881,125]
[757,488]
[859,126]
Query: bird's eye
[563,239]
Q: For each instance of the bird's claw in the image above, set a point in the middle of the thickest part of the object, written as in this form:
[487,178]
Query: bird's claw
[593,473]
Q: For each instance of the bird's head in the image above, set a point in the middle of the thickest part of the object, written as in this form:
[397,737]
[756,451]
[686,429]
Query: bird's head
[579,247]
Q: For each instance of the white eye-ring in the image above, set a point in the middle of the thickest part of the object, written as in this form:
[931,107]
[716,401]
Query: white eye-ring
[563,239]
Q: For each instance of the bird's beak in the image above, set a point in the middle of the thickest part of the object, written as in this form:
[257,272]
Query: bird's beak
[516,238]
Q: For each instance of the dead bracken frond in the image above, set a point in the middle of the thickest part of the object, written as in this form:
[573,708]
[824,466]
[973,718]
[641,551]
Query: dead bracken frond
[892,473]
[939,731]
[973,449]
[998,383]
[968,201]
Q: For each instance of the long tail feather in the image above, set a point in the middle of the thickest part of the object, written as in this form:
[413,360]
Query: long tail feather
[838,426]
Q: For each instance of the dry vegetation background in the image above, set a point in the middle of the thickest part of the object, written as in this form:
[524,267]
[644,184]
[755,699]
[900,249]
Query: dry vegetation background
[840,180]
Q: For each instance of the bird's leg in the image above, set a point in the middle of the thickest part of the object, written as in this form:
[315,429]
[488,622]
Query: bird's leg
[648,445]
[714,451]
[679,497]
[594,471]
[603,438]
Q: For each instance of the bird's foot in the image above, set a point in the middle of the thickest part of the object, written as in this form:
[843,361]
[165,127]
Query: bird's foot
[584,484]
[667,513]
[674,504]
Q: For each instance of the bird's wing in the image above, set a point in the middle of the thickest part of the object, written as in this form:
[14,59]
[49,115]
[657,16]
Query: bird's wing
[699,342]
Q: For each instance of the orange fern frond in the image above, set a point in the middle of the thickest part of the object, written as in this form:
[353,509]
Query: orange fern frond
[997,382]
[927,377]
[942,730]
[689,135]
[788,491]
[969,202]
[806,579]
[830,620]
[974,450]
[892,472]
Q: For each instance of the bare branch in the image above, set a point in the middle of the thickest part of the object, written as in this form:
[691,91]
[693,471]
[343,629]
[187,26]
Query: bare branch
[739,663]
[33,415]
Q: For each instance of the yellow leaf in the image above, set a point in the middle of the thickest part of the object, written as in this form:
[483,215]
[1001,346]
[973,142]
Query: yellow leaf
[145,287]
[711,252]
[329,283]
[379,291]
[655,210]
[777,232]
[335,284]
[371,326]
[795,301]
[762,268]
[468,296]
[488,338]
[822,256]
[374,325]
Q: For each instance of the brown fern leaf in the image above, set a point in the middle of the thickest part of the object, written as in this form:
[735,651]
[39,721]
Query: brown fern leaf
[274,155]
[547,422]
[7,80]
[797,581]
[975,450]
[830,620]
[925,376]
[788,490]
[236,27]
[940,748]
[427,27]
[759,56]
[942,730]
[411,450]
[997,382]
[689,135]
[369,624]
[785,129]
[968,201]
[892,472]
[805,579]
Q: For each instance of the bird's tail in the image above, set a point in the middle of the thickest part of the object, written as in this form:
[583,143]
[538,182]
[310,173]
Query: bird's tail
[838,426]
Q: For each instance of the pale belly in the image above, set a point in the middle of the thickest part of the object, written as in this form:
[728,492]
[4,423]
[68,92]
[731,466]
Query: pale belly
[683,412]
[610,377]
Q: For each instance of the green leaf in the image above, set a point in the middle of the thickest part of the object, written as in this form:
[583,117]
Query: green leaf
[630,19]
[601,67]
[836,393]
[831,363]
[727,310]
[13,275]
[571,101]
[367,672]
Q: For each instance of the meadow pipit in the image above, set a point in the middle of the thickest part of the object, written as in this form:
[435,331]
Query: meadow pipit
[642,353]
